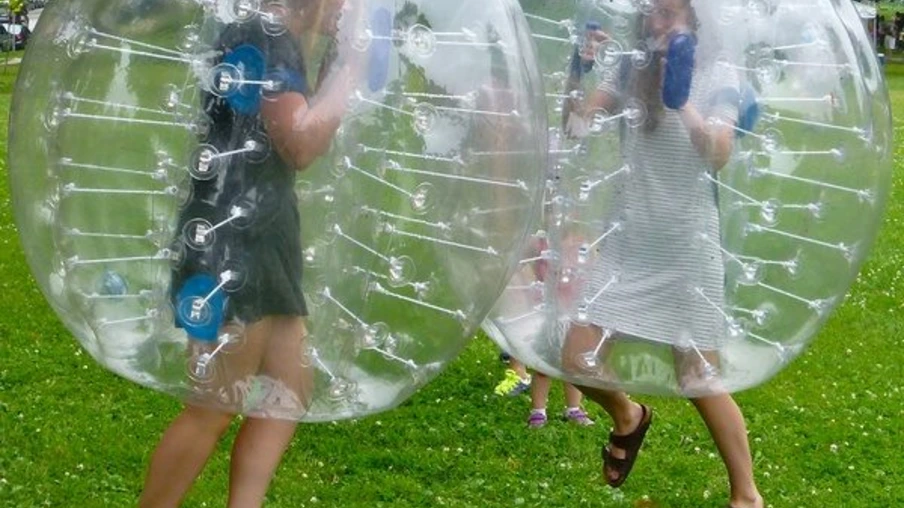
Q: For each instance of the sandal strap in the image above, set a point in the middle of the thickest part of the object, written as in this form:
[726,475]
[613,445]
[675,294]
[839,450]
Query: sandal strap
[616,463]
[626,443]
[631,442]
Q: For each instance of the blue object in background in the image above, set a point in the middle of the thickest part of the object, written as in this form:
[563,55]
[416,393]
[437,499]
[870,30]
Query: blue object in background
[251,62]
[380,46]
[113,284]
[200,286]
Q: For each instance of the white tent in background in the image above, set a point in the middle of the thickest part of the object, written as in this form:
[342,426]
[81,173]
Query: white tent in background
[868,12]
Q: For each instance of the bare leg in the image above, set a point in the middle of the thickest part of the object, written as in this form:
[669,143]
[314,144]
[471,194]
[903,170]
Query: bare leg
[192,437]
[256,454]
[261,442]
[573,396]
[518,367]
[181,455]
[626,414]
[726,424]
[539,391]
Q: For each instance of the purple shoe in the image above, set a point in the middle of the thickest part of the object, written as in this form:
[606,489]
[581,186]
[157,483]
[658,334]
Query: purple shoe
[536,420]
[577,416]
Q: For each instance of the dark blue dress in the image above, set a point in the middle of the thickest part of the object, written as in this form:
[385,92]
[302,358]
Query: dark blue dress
[248,196]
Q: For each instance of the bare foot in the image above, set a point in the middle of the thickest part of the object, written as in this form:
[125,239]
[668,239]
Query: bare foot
[755,502]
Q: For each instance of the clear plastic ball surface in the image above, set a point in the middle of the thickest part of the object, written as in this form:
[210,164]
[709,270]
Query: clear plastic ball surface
[718,172]
[297,209]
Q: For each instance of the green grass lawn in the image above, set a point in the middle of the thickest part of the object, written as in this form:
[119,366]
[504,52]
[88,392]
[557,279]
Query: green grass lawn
[826,433]
[889,9]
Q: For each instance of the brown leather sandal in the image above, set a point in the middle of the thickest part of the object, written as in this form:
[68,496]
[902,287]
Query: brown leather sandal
[631,444]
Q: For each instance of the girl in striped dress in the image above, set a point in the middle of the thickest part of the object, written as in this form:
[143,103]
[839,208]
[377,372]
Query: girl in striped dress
[655,279]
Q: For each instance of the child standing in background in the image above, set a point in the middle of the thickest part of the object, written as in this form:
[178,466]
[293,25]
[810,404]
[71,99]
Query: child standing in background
[517,381]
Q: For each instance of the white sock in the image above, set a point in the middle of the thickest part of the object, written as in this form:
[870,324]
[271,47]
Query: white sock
[572,409]
[538,411]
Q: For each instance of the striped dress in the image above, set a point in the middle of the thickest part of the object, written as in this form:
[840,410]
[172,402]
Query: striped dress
[657,278]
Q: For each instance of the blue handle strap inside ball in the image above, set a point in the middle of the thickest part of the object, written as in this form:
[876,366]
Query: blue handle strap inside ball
[679,70]
[749,110]
[746,101]
[196,287]
[251,62]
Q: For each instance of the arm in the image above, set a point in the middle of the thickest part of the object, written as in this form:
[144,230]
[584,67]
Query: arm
[713,140]
[582,62]
[303,131]
[584,109]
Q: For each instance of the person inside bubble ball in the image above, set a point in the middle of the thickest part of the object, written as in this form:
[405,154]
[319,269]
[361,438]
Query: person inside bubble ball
[282,126]
[687,113]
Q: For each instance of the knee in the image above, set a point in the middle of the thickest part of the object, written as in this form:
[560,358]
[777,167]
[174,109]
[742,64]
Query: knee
[211,421]
[700,383]
[572,362]
[580,352]
[699,373]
